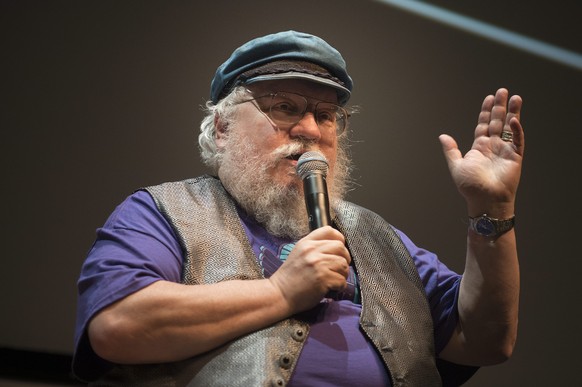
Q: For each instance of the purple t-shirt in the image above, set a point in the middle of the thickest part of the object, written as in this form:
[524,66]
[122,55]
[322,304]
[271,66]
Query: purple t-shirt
[137,246]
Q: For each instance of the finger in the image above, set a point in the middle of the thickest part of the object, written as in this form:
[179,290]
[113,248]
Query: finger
[337,281]
[339,250]
[327,233]
[338,264]
[514,110]
[450,149]
[518,135]
[334,241]
[482,128]
[513,125]
[498,113]
[338,286]
[347,256]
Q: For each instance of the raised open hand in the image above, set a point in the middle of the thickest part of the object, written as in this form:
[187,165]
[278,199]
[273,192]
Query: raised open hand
[488,175]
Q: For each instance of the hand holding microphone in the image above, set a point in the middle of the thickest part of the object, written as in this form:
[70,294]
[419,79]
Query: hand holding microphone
[318,265]
[312,168]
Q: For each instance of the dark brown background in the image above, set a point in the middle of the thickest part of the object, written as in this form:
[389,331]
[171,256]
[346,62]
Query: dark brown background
[102,97]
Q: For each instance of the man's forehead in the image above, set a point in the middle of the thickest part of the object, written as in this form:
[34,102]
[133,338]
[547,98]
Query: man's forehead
[299,86]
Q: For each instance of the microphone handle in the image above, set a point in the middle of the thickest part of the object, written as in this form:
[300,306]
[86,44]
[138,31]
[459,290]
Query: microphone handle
[316,200]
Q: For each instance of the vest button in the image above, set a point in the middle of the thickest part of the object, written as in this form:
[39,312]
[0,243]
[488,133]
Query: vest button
[298,334]
[279,382]
[285,361]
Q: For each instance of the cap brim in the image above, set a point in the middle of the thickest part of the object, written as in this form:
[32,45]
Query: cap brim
[343,93]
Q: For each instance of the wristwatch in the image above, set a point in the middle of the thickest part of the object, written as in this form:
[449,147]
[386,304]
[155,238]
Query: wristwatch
[491,227]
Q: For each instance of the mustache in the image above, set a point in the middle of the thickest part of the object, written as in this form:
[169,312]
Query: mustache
[293,149]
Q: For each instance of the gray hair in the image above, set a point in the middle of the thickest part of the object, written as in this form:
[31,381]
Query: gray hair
[225,109]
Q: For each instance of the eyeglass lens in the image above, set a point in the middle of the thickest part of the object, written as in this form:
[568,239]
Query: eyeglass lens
[289,109]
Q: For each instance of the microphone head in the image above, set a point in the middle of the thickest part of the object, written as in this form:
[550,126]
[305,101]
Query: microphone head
[312,161]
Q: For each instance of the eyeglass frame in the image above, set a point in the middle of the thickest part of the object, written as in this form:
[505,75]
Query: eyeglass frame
[307,99]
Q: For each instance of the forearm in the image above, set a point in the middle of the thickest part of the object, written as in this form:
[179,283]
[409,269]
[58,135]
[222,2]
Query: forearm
[489,297]
[488,300]
[169,322]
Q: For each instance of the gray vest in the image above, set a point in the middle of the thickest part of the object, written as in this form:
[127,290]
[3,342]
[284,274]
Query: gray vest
[395,312]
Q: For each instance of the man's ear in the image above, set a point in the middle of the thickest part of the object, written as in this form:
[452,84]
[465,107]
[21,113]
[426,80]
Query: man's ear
[221,131]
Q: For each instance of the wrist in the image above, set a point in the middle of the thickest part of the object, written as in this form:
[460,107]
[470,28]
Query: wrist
[493,210]
[488,226]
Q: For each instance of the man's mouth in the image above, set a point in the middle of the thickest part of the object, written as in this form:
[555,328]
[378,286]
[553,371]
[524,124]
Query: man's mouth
[294,156]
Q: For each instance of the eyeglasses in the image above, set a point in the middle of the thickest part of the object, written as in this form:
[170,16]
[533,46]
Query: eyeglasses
[287,109]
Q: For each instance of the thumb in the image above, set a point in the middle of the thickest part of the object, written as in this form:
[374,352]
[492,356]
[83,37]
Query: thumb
[450,149]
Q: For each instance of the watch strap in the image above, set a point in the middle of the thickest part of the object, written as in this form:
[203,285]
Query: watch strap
[491,227]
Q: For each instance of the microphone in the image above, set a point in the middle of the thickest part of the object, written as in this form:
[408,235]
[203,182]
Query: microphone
[312,168]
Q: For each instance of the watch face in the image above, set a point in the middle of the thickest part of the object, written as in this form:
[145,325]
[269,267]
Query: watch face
[484,226]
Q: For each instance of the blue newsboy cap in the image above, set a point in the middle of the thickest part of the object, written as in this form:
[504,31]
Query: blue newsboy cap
[284,55]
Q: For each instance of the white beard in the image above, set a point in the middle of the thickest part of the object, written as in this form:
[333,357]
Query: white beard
[280,208]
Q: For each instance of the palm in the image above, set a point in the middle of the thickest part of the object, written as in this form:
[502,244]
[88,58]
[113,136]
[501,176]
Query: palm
[490,171]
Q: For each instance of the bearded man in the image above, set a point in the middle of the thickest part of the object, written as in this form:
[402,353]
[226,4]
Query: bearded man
[219,280]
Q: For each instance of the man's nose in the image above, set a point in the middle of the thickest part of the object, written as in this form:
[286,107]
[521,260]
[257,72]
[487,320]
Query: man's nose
[306,127]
